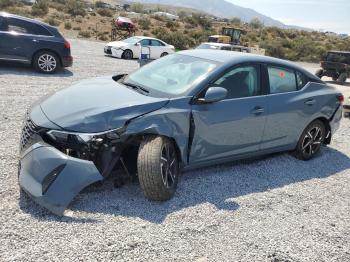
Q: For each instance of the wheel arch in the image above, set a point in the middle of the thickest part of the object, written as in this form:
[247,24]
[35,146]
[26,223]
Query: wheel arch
[140,137]
[325,121]
[128,49]
[48,50]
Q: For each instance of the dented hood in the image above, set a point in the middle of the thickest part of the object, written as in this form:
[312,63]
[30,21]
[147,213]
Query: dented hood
[97,105]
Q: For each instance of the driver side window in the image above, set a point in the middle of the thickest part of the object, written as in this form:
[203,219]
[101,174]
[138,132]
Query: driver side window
[241,82]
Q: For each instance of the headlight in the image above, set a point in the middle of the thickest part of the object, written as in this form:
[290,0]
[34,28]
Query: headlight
[64,136]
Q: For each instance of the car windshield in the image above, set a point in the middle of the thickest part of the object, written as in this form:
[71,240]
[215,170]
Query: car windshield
[338,58]
[172,75]
[207,46]
[132,40]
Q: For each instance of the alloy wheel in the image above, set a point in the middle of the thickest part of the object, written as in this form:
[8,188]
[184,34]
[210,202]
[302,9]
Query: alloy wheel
[312,141]
[47,63]
[168,165]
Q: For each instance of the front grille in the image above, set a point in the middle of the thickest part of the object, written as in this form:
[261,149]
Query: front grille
[29,132]
[108,50]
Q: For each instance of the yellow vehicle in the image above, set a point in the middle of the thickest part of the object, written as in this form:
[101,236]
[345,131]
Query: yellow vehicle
[223,39]
[230,35]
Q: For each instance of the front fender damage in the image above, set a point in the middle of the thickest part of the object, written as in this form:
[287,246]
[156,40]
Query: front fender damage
[52,179]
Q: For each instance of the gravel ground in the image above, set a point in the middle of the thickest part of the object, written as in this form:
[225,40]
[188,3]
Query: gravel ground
[274,208]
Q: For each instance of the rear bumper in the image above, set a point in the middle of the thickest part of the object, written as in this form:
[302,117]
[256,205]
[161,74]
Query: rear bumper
[67,61]
[335,121]
[52,179]
[346,109]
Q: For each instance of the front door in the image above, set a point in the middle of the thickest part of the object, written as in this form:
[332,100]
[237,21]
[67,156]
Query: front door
[235,125]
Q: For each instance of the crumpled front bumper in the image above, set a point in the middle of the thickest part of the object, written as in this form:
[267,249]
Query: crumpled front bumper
[52,179]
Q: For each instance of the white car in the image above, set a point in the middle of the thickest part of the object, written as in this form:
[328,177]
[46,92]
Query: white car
[131,47]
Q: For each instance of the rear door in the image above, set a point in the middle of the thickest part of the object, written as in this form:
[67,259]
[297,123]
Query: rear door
[235,125]
[18,39]
[157,48]
[290,107]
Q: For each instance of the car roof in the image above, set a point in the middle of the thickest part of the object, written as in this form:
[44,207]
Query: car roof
[339,52]
[215,44]
[223,56]
[147,37]
[234,58]
[4,14]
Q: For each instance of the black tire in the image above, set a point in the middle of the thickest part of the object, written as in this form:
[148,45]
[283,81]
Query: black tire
[310,141]
[342,78]
[164,54]
[46,62]
[128,54]
[335,77]
[319,73]
[158,169]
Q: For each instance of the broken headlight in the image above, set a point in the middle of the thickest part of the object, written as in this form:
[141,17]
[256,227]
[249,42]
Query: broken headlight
[64,137]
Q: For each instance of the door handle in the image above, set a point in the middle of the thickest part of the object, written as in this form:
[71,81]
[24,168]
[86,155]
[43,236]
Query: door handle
[310,102]
[258,110]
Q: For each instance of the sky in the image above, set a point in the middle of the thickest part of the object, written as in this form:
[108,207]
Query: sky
[328,15]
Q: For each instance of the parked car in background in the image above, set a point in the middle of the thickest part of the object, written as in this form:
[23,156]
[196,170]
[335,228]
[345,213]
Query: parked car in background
[229,47]
[131,48]
[336,64]
[219,46]
[347,108]
[34,43]
[187,110]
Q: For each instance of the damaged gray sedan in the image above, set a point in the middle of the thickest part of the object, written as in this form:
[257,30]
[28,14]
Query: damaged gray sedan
[187,110]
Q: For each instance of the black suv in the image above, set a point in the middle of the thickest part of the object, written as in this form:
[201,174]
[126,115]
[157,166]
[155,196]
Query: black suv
[335,64]
[32,42]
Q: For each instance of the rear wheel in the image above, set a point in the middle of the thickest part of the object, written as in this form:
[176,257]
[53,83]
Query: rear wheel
[310,141]
[158,168]
[342,78]
[128,54]
[46,62]
[319,73]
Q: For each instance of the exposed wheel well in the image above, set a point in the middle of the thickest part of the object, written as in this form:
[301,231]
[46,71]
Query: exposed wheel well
[134,143]
[49,50]
[325,121]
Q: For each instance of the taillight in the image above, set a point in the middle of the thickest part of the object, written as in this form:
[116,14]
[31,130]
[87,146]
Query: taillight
[66,45]
[340,98]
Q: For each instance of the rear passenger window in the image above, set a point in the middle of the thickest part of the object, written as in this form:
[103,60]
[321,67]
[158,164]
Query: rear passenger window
[302,80]
[281,80]
[241,82]
[42,31]
[20,26]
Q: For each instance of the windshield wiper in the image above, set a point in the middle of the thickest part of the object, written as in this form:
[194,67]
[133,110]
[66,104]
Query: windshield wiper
[138,88]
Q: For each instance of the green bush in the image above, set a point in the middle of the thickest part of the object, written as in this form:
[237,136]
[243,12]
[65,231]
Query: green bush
[75,7]
[137,7]
[144,23]
[40,8]
[7,3]
[256,23]
[105,12]
[85,34]
[52,21]
[67,25]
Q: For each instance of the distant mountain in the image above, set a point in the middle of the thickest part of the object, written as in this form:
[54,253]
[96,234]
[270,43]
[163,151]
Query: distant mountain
[221,8]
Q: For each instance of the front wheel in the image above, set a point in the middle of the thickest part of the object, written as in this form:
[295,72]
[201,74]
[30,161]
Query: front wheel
[310,141]
[164,54]
[319,73]
[46,62]
[128,54]
[158,168]
[342,78]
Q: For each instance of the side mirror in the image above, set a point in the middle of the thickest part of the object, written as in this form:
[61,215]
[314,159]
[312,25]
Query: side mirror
[214,94]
